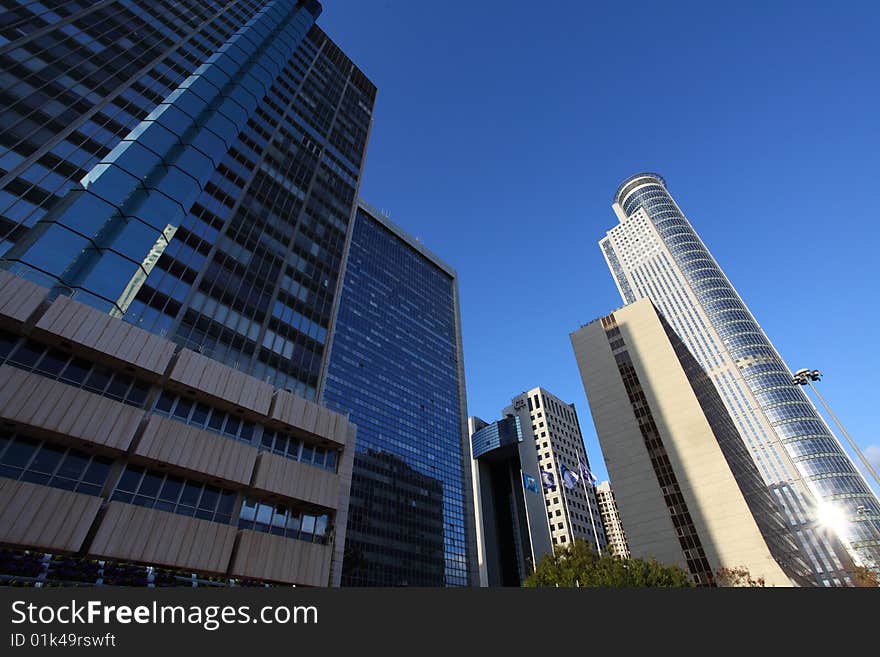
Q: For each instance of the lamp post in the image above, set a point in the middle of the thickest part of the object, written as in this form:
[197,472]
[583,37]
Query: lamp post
[806,377]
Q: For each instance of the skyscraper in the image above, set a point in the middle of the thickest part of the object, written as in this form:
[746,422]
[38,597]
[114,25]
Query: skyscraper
[655,253]
[570,499]
[396,367]
[190,167]
[687,489]
[614,531]
[513,530]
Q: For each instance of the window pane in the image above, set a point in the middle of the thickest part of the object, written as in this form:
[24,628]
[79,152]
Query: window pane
[232,425]
[248,510]
[97,471]
[53,362]
[184,406]
[73,466]
[200,414]
[227,501]
[138,393]
[98,378]
[171,489]
[321,525]
[47,458]
[191,492]
[76,371]
[217,418]
[119,386]
[264,513]
[130,478]
[150,485]
[7,341]
[166,401]
[209,498]
[27,354]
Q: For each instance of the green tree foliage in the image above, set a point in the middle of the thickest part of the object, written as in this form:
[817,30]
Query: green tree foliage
[578,565]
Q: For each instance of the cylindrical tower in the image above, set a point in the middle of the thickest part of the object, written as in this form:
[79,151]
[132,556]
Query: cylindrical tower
[656,253]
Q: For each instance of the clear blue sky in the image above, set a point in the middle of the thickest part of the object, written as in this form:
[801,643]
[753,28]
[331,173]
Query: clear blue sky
[502,130]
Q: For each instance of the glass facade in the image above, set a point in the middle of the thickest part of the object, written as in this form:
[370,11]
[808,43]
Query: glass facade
[396,368]
[498,434]
[190,167]
[656,253]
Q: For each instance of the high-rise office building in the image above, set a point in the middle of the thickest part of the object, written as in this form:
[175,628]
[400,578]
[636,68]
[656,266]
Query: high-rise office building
[614,532]
[556,433]
[126,459]
[655,253]
[687,490]
[513,531]
[190,169]
[396,367]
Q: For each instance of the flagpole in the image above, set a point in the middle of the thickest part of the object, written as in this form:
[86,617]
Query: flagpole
[562,486]
[592,522]
[586,474]
[546,492]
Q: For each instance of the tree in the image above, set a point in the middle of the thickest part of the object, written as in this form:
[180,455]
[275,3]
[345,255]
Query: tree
[864,576]
[578,565]
[737,577]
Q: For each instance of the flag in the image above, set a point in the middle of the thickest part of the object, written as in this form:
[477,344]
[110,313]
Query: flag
[569,477]
[586,471]
[530,483]
[548,479]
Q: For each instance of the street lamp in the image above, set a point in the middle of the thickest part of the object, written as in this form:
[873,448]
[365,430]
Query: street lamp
[806,377]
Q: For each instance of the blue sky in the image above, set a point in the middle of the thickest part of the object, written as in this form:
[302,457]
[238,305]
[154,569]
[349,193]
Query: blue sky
[502,129]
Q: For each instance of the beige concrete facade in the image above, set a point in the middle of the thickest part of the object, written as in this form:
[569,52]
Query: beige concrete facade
[553,427]
[614,531]
[49,411]
[727,532]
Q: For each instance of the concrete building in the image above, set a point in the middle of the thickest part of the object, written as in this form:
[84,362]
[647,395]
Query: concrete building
[513,531]
[397,367]
[687,490]
[614,532]
[552,426]
[654,253]
[165,466]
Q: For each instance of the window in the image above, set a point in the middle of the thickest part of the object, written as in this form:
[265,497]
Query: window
[201,415]
[62,366]
[41,462]
[157,490]
[283,520]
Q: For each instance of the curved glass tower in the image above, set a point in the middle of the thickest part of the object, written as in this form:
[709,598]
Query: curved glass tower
[654,252]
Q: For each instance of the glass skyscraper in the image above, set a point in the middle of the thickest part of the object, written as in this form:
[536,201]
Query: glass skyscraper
[396,366]
[655,253]
[188,166]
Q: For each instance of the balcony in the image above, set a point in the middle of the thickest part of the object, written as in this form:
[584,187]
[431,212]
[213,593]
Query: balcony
[280,559]
[295,480]
[134,533]
[105,338]
[62,410]
[43,517]
[190,448]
